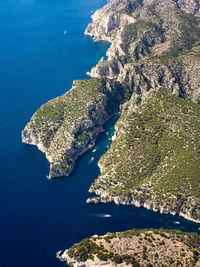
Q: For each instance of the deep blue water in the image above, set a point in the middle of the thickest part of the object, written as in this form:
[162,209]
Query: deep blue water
[38,217]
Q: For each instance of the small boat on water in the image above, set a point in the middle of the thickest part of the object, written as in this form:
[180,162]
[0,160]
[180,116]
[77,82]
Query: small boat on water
[104,215]
[91,160]
[65,32]
[107,215]
[176,222]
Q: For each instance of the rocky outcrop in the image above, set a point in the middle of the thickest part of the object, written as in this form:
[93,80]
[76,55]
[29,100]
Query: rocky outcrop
[157,47]
[189,6]
[89,263]
[67,126]
[135,248]
[154,158]
[156,42]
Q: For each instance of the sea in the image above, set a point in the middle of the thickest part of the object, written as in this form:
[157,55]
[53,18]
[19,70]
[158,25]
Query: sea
[39,61]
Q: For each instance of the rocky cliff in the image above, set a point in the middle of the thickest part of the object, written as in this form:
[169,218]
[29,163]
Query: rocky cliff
[153,160]
[67,126]
[154,157]
[152,75]
[136,248]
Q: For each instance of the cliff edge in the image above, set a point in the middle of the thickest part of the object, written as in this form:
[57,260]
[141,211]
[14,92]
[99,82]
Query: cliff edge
[154,157]
[135,248]
[151,75]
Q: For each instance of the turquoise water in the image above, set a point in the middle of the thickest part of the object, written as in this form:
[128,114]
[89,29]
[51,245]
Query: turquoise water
[38,217]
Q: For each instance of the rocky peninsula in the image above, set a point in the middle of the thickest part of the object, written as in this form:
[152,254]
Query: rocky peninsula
[136,248]
[68,125]
[151,75]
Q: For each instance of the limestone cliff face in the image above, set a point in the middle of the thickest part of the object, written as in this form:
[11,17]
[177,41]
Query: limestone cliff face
[67,126]
[135,248]
[154,157]
[152,41]
[152,75]
[154,46]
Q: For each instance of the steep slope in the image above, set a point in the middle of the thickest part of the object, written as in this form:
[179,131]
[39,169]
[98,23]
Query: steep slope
[136,248]
[154,158]
[151,75]
[67,126]
[153,43]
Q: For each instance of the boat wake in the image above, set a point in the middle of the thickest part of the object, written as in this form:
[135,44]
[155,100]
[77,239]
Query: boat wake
[103,215]
[91,160]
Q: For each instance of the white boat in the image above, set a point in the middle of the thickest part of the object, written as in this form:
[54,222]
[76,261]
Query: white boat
[65,32]
[107,215]
[176,222]
[104,215]
[90,161]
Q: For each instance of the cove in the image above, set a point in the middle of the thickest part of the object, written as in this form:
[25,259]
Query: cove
[38,217]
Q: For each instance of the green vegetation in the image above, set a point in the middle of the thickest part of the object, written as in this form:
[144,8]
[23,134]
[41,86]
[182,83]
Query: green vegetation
[68,109]
[87,249]
[133,31]
[84,136]
[129,35]
[190,28]
[132,247]
[68,125]
[84,250]
[156,159]
[188,37]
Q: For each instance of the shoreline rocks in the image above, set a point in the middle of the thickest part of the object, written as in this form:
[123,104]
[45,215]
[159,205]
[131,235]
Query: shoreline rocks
[135,248]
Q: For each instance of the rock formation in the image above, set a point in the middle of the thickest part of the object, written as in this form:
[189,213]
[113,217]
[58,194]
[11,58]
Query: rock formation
[151,75]
[135,248]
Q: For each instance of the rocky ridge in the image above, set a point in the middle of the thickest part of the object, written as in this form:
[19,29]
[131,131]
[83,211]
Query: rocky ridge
[154,54]
[155,48]
[154,158]
[135,248]
[68,125]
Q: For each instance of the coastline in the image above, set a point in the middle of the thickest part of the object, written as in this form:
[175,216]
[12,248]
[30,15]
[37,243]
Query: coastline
[138,204]
[136,78]
[134,248]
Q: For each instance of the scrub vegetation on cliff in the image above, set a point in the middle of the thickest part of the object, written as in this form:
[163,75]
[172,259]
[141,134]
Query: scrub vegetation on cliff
[151,75]
[137,248]
[155,155]
[68,125]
